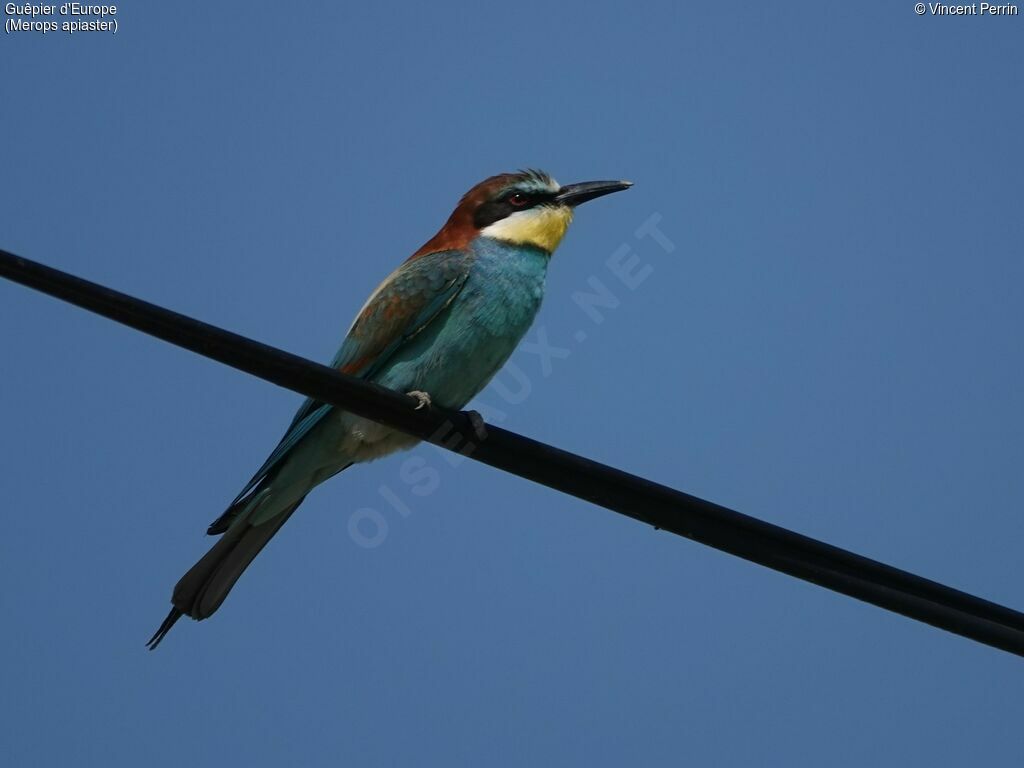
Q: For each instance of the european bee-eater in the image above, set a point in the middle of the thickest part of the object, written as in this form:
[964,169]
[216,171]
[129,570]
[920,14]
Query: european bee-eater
[439,327]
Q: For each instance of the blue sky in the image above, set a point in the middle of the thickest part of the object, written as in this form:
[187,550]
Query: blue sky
[831,343]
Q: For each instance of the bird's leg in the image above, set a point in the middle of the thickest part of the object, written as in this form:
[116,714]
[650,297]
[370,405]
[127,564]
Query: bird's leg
[477,421]
[422,397]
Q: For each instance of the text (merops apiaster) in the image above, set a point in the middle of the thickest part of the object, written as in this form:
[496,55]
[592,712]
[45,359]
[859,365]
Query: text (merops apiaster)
[974,9]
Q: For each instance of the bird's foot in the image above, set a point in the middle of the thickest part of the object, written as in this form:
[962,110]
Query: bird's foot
[422,397]
[478,424]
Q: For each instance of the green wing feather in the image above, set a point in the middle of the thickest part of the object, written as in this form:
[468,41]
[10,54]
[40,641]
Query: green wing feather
[404,304]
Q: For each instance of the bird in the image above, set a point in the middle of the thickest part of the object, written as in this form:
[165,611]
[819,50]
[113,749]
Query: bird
[438,328]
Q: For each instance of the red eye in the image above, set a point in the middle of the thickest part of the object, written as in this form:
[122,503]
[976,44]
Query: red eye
[518,200]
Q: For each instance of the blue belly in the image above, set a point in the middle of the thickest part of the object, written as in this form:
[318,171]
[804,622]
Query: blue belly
[459,352]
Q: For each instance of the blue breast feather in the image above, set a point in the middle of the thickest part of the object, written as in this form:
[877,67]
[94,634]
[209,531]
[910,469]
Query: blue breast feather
[457,344]
[458,352]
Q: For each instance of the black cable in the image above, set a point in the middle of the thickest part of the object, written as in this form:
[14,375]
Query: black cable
[657,505]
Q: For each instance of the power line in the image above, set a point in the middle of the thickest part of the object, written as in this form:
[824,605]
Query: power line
[662,507]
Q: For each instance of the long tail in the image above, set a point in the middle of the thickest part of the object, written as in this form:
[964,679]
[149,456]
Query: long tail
[200,592]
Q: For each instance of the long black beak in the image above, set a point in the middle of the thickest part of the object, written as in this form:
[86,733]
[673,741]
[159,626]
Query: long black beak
[574,194]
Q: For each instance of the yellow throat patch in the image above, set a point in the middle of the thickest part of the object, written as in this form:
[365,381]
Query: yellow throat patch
[542,227]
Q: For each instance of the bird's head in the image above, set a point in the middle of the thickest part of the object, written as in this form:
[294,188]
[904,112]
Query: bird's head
[524,208]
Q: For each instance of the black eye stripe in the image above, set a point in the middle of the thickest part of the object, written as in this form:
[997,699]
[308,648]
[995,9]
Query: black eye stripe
[502,207]
[492,211]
